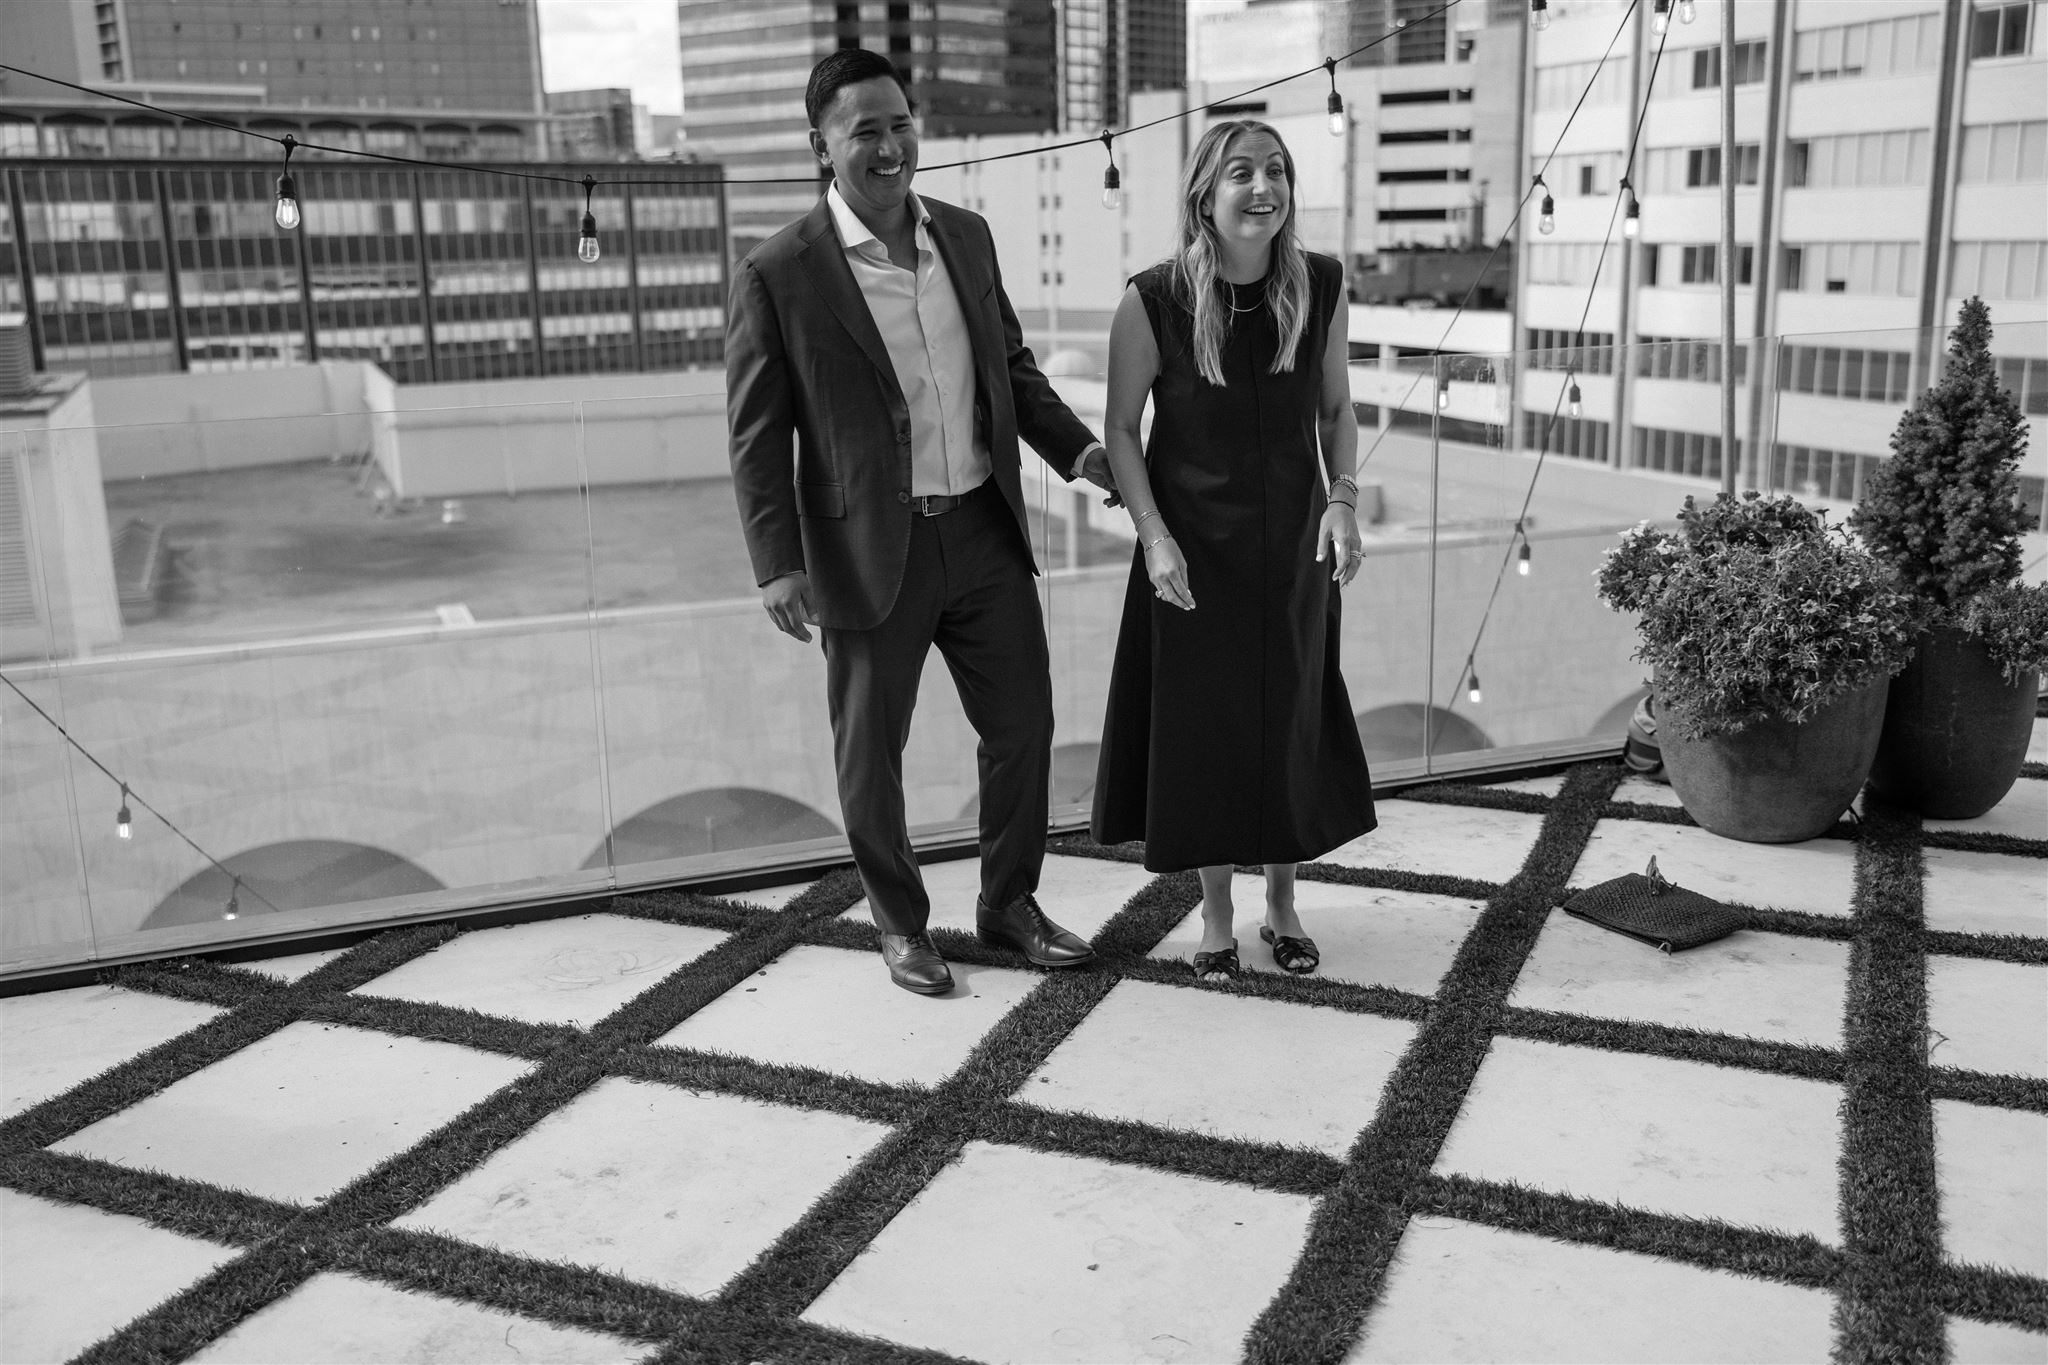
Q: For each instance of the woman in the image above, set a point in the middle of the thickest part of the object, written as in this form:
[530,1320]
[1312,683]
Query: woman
[1229,738]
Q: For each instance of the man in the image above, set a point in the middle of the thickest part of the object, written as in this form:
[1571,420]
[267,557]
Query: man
[876,387]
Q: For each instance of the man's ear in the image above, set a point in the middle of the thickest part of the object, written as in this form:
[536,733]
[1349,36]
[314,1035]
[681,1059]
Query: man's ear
[818,147]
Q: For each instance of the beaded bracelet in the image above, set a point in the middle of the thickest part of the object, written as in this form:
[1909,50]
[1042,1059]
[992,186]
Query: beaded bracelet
[1348,482]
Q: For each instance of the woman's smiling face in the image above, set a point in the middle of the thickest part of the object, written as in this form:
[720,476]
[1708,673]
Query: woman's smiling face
[1251,197]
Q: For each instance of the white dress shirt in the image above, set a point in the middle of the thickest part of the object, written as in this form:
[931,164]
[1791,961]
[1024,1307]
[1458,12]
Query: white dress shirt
[919,317]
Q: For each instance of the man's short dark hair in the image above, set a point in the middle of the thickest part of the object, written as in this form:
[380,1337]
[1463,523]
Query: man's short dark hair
[847,66]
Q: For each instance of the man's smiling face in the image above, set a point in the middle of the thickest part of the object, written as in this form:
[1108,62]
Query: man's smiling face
[867,136]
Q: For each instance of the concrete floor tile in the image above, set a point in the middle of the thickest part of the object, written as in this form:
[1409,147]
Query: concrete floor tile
[2037,746]
[1994,1343]
[1402,939]
[1652,1133]
[1020,1255]
[292,966]
[664,1186]
[1647,791]
[69,1275]
[1817,877]
[2023,814]
[1079,894]
[837,1010]
[1993,1168]
[1556,1301]
[1988,1016]
[298,1114]
[1449,841]
[1751,985]
[770,897]
[559,971]
[51,1041]
[353,1321]
[1224,1065]
[1985,893]
[1533,786]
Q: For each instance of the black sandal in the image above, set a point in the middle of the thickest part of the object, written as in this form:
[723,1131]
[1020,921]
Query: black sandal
[1297,955]
[1223,960]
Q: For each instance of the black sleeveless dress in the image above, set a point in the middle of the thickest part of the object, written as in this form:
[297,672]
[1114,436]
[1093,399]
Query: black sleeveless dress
[1229,736]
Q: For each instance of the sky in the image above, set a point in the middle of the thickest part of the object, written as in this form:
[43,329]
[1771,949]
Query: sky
[586,44]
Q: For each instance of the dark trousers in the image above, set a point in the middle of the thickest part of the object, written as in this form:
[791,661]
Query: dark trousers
[968,589]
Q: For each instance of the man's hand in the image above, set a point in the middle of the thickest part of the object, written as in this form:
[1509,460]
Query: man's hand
[788,602]
[1095,469]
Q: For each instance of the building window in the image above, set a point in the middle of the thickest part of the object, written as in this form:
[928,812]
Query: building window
[1696,264]
[1747,64]
[1882,47]
[2005,153]
[1652,254]
[1998,270]
[1552,348]
[1702,167]
[2000,31]
[1792,269]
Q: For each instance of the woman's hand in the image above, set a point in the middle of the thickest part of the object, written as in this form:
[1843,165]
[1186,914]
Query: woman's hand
[1169,573]
[1338,540]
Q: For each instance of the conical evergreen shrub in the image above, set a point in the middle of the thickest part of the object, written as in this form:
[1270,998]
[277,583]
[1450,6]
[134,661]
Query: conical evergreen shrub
[1945,508]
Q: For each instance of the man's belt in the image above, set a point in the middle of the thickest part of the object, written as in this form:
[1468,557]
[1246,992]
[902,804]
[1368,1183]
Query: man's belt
[938,504]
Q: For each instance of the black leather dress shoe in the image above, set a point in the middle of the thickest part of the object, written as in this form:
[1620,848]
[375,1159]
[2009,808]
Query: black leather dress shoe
[1022,927]
[915,965]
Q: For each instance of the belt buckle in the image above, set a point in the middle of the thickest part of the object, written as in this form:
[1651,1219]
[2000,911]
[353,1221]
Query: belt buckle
[925,501]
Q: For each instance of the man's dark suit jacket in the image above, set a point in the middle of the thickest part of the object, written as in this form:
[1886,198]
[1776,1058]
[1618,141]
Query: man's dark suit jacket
[819,430]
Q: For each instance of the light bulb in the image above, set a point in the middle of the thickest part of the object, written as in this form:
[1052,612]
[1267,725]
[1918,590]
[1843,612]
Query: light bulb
[234,907]
[586,242]
[1687,11]
[287,203]
[1660,17]
[1539,14]
[1337,120]
[1472,693]
[1112,188]
[1522,560]
[1546,219]
[1632,220]
[1577,407]
[123,823]
[1443,396]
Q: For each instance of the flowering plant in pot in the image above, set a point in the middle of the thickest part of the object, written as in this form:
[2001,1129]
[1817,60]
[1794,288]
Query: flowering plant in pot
[1945,511]
[1771,636]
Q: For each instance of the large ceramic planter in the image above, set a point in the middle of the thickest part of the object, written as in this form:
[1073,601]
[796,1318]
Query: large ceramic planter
[1774,782]
[1955,731]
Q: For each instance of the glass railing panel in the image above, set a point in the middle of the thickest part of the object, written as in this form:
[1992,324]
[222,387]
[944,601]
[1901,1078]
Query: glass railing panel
[347,657]
[43,913]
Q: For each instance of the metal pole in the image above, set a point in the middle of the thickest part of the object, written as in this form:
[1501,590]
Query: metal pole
[1728,246]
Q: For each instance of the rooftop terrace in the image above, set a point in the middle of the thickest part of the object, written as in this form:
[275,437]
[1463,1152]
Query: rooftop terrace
[688,1127]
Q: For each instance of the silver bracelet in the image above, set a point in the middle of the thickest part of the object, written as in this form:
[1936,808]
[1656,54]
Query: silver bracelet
[1142,516]
[1347,481]
[1157,543]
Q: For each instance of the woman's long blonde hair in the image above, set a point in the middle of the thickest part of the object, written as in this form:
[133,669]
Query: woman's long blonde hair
[1198,262]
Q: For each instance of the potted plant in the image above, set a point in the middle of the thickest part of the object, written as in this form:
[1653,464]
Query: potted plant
[1771,636]
[1945,511]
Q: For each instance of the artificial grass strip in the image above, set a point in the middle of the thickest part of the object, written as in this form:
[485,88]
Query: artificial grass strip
[1355,1229]
[1887,1307]
[1966,841]
[1787,1257]
[1365,1200]
[1677,1044]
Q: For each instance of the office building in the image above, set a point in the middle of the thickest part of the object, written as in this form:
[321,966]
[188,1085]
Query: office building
[975,70]
[1887,166]
[595,125]
[448,81]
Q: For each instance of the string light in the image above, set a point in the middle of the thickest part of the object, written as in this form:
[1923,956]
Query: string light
[1572,399]
[1522,555]
[1632,214]
[1687,11]
[1660,17]
[288,190]
[1472,692]
[586,240]
[124,824]
[1443,393]
[1112,183]
[1539,14]
[1546,212]
[234,908]
[1336,101]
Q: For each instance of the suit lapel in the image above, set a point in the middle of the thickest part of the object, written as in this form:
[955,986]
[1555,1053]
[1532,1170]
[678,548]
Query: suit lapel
[824,262]
[970,283]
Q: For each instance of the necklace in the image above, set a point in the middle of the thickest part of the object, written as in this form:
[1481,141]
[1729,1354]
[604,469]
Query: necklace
[1230,302]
